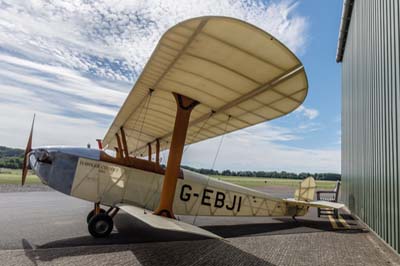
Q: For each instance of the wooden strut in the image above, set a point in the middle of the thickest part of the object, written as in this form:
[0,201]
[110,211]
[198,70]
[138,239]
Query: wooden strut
[124,143]
[185,106]
[100,144]
[123,158]
[120,150]
[158,151]
[117,152]
[96,208]
[149,152]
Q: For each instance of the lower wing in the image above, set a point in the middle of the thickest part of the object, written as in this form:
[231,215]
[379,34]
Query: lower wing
[163,223]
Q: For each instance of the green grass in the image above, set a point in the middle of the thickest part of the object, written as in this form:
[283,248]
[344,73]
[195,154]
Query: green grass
[263,182]
[12,176]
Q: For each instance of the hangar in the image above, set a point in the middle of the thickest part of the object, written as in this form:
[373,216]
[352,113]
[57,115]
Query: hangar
[368,49]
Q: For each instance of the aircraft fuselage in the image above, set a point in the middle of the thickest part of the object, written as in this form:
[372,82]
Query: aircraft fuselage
[81,173]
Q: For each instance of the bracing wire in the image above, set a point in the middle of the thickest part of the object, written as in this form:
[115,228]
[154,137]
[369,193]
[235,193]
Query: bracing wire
[141,109]
[220,143]
[146,108]
[163,153]
[139,114]
[198,131]
[212,168]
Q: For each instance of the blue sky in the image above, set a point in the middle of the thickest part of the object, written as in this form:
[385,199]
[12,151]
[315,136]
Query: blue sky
[73,63]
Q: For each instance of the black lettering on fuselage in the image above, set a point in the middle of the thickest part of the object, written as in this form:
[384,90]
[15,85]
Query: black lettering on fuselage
[186,196]
[206,197]
[240,202]
[219,200]
[233,204]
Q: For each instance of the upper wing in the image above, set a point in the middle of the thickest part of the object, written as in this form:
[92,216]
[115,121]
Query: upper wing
[164,223]
[232,68]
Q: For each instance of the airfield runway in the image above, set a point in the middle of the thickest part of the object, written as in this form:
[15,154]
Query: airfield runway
[49,228]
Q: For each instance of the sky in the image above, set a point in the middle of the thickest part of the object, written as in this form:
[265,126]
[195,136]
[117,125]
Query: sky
[74,62]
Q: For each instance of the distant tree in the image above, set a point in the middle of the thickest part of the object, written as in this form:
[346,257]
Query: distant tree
[226,173]
[270,174]
[13,158]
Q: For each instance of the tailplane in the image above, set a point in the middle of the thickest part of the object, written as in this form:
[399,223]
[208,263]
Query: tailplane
[304,196]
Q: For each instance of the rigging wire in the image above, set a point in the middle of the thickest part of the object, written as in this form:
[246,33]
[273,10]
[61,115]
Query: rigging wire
[194,136]
[220,142]
[156,191]
[146,108]
[215,159]
[164,156]
[141,109]
[139,114]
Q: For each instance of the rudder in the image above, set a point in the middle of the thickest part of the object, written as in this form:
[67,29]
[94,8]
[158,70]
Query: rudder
[306,190]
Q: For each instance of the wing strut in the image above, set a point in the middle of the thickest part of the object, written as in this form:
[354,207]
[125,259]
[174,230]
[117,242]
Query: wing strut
[149,153]
[120,150]
[124,143]
[185,106]
[157,151]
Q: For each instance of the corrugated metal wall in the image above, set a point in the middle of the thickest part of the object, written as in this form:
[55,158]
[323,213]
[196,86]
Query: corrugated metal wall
[371,117]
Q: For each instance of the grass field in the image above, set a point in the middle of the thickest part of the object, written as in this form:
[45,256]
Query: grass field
[10,176]
[262,182]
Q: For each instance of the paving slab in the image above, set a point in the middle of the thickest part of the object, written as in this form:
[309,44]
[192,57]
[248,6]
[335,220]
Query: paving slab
[49,228]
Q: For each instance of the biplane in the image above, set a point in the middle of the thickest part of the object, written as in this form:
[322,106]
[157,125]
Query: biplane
[207,76]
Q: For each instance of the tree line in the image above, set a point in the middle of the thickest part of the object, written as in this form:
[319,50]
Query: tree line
[11,158]
[269,174]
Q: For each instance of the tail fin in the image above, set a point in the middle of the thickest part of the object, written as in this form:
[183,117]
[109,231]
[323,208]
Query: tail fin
[306,190]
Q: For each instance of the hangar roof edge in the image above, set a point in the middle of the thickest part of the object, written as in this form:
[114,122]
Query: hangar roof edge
[344,27]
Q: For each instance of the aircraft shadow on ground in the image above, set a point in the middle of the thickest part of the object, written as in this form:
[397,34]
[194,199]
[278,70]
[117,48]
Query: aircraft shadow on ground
[194,252]
[131,230]
[173,247]
[283,226]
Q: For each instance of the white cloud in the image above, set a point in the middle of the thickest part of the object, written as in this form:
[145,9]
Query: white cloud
[73,63]
[50,128]
[97,109]
[310,113]
[251,152]
[113,39]
[263,147]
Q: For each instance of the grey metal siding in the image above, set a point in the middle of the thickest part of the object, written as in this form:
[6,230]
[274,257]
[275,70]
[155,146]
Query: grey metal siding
[370,117]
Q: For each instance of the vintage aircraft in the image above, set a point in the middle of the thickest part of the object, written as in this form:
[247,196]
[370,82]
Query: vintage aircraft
[206,77]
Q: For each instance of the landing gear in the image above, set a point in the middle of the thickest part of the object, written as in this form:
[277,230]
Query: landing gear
[100,222]
[100,225]
[91,214]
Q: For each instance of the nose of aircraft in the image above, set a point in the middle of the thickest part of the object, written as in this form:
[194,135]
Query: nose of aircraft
[56,166]
[40,161]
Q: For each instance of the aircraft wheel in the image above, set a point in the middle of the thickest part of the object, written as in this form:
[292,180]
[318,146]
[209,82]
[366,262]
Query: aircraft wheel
[100,225]
[91,213]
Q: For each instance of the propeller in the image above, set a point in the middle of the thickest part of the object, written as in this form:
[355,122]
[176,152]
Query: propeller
[27,150]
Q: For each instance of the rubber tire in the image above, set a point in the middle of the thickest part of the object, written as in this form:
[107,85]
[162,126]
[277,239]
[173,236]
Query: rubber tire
[91,213]
[103,221]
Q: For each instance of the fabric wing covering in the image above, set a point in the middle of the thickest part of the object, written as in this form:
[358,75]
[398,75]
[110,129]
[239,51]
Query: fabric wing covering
[239,74]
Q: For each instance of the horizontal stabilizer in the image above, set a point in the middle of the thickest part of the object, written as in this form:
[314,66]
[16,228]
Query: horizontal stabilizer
[163,223]
[317,204]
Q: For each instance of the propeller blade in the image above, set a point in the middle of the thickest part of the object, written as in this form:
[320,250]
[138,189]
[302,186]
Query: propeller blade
[27,150]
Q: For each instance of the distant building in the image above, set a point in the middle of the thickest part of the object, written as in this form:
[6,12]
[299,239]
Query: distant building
[369,49]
